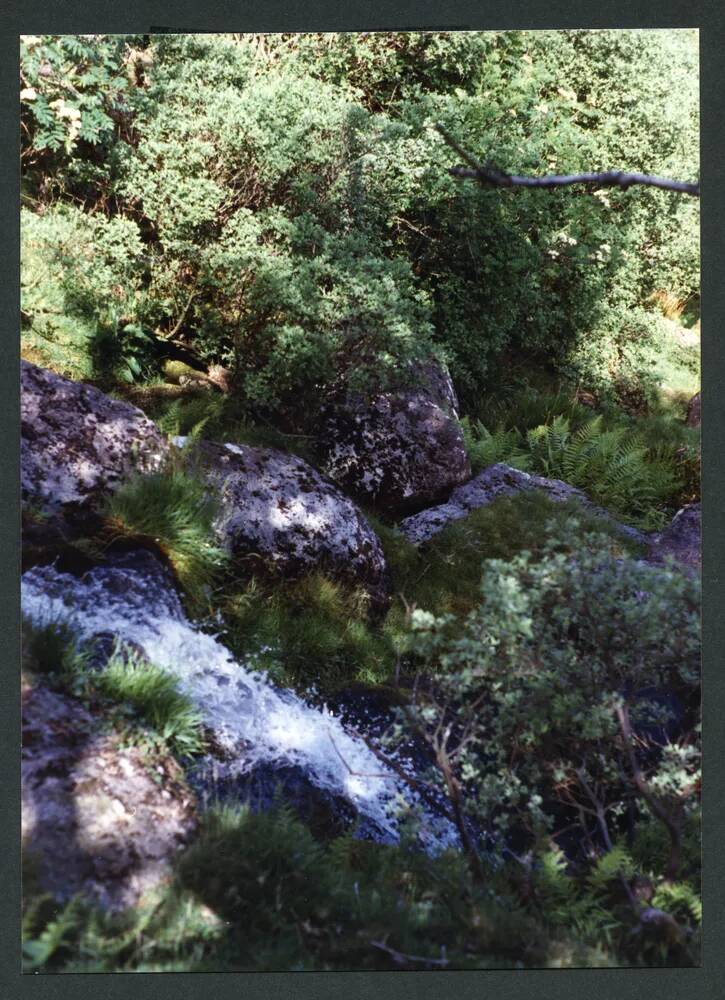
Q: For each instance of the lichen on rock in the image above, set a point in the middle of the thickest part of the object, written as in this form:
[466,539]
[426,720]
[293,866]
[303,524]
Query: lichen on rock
[102,819]
[401,450]
[275,505]
[77,443]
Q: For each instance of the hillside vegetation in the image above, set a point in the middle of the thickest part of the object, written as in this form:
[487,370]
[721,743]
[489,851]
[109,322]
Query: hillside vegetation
[233,232]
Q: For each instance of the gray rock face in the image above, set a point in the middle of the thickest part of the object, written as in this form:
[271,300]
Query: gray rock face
[77,442]
[92,816]
[401,450]
[681,539]
[277,506]
[495,481]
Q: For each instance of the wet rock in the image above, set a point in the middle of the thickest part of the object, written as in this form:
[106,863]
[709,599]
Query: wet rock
[327,814]
[100,819]
[77,443]
[496,481]
[680,540]
[276,506]
[400,450]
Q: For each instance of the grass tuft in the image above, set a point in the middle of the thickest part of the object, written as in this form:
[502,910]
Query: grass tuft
[175,511]
[153,694]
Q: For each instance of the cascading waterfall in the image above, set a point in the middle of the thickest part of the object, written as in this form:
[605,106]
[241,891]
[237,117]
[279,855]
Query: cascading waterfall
[132,597]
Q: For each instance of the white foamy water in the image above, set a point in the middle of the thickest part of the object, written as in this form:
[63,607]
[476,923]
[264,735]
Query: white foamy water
[252,719]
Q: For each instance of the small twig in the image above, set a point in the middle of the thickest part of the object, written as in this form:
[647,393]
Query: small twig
[655,806]
[488,174]
[172,333]
[401,958]
[357,774]
[601,819]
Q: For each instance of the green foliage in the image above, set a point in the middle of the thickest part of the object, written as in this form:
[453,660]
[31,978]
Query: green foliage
[50,647]
[317,631]
[282,203]
[444,574]
[256,892]
[173,510]
[535,672]
[615,465]
[243,865]
[314,631]
[81,275]
[129,689]
[153,695]
[486,448]
[74,95]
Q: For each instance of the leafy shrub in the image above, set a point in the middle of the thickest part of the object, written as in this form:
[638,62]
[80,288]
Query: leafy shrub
[173,510]
[536,678]
[282,204]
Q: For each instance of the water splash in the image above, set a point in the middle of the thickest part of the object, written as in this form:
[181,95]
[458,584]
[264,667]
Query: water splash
[256,723]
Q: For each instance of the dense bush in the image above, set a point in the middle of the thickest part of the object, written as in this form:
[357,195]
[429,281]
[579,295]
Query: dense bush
[569,695]
[282,203]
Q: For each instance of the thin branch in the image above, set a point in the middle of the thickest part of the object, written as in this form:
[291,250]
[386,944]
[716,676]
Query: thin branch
[401,958]
[655,806]
[601,819]
[488,174]
[358,774]
[172,333]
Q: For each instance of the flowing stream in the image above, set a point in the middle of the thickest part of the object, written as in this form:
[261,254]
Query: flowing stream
[132,598]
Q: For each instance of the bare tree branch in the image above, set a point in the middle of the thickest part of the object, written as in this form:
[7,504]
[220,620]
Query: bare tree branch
[488,174]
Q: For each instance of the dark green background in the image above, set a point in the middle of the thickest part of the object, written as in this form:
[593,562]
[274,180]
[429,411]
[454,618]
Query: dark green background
[134,16]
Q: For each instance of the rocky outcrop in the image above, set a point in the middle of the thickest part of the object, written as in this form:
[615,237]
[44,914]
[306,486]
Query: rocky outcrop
[275,505]
[98,818]
[400,450]
[681,540]
[495,481]
[77,443]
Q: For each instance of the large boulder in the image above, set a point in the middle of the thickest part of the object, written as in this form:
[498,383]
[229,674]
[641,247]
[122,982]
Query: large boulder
[275,505]
[77,443]
[681,540]
[400,450]
[495,481]
[98,817]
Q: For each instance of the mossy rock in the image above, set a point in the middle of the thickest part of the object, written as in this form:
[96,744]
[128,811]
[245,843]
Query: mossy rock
[175,370]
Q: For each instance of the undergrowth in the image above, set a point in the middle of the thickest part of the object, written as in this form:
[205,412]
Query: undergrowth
[317,631]
[152,695]
[256,892]
[641,472]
